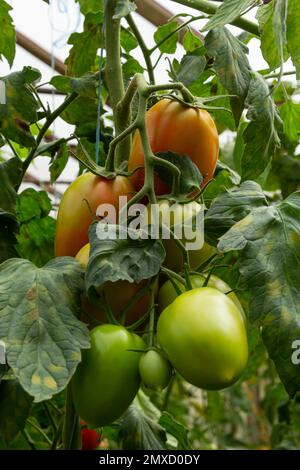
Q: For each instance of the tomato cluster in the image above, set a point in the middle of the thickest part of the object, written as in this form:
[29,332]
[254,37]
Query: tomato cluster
[200,333]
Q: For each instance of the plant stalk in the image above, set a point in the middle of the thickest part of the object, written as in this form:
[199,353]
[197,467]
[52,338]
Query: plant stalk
[114,80]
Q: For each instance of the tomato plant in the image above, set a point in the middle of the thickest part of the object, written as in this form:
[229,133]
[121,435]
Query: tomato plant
[107,379]
[211,359]
[204,337]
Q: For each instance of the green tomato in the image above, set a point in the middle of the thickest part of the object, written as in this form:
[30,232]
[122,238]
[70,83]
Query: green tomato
[155,370]
[204,336]
[107,379]
[167,293]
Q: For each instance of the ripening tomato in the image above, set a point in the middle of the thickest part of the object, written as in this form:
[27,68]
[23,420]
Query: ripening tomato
[107,379]
[155,370]
[118,295]
[173,127]
[79,205]
[167,293]
[204,337]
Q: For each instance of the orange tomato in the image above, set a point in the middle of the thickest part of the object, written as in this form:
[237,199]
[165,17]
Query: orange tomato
[173,127]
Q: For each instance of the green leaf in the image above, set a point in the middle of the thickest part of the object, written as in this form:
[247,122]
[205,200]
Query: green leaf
[191,42]
[36,240]
[231,62]
[265,16]
[123,8]
[260,136]
[128,41]
[38,309]
[190,69]
[59,162]
[118,253]
[268,25]
[140,432]
[131,67]
[15,405]
[293,33]
[7,36]
[31,204]
[190,177]
[82,112]
[37,230]
[201,87]
[290,114]
[21,106]
[176,429]
[230,207]
[227,12]
[239,147]
[84,86]
[82,55]
[224,178]
[279,25]
[269,238]
[10,178]
[169,46]
[87,6]
[49,148]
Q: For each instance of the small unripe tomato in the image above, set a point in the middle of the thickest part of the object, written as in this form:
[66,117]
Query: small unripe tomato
[155,370]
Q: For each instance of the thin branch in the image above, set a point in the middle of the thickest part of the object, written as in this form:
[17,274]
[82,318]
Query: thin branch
[210,8]
[143,47]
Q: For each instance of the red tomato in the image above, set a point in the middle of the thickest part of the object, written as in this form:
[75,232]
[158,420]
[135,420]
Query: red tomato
[90,437]
[78,209]
[173,127]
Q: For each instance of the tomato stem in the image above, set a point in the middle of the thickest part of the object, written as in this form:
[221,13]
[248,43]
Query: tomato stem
[146,52]
[71,428]
[187,277]
[50,119]
[114,79]
[171,274]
